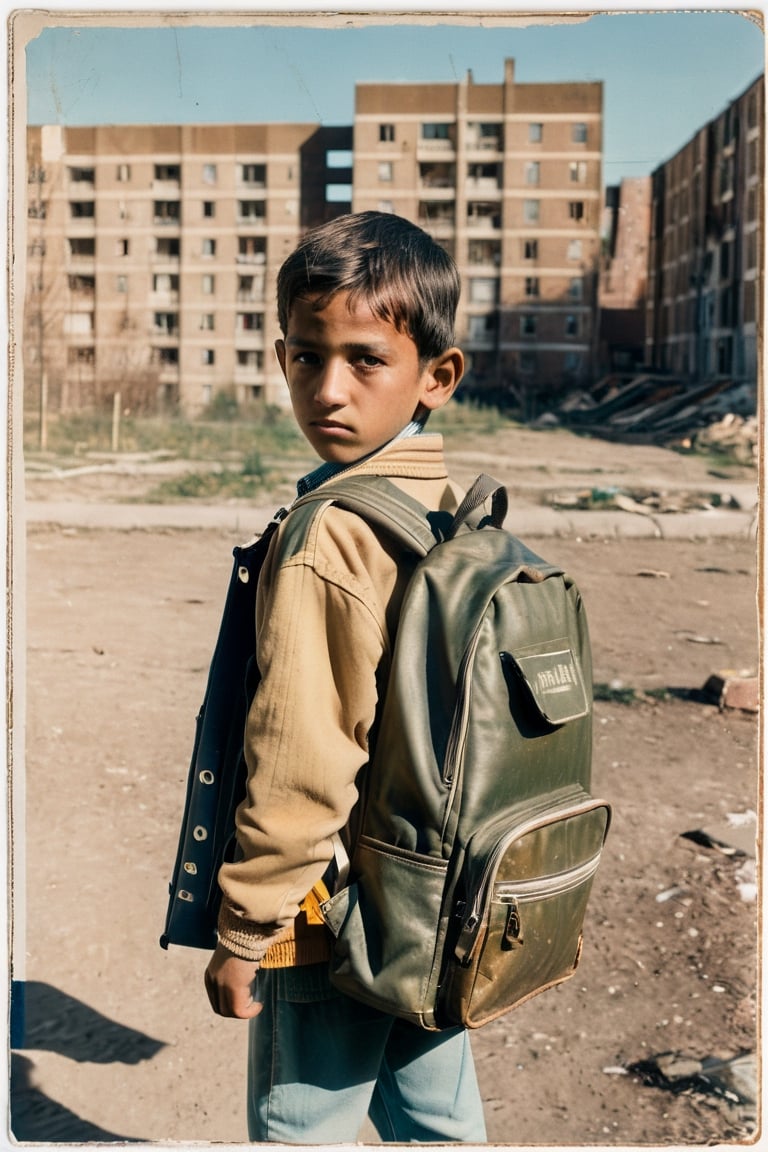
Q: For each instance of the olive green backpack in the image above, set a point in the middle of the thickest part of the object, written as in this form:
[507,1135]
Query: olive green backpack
[475,838]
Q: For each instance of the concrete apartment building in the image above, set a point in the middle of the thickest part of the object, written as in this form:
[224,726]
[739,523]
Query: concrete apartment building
[152,250]
[705,259]
[508,178]
[152,253]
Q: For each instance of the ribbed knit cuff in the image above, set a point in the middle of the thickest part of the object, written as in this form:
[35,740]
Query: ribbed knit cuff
[243,939]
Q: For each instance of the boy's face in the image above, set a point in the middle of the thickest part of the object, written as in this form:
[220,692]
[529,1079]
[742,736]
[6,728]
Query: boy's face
[354,380]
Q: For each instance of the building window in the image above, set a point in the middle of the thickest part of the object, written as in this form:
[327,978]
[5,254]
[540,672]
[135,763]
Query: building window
[170,172]
[527,324]
[571,363]
[484,252]
[80,247]
[250,288]
[207,322]
[121,284]
[385,171]
[435,131]
[209,173]
[78,324]
[254,174]
[483,290]
[386,206]
[530,211]
[209,285]
[530,249]
[571,325]
[165,282]
[209,209]
[535,133]
[167,247]
[249,322]
[167,212]
[386,133]
[531,285]
[576,288]
[82,354]
[208,247]
[122,247]
[532,172]
[82,209]
[577,170]
[81,175]
[579,133]
[208,356]
[251,209]
[167,323]
[573,251]
[123,173]
[576,209]
[481,327]
[165,356]
[250,358]
[527,363]
[251,250]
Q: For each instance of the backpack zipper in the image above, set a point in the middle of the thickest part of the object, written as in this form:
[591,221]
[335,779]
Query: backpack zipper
[454,749]
[534,888]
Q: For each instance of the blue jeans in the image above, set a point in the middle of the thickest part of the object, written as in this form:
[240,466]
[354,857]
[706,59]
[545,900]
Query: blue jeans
[318,1062]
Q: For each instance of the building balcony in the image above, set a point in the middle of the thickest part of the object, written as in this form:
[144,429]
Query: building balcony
[484,185]
[248,374]
[437,146]
[437,191]
[250,340]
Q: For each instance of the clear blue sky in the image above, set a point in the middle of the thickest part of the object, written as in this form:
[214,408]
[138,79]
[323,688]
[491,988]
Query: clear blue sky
[664,74]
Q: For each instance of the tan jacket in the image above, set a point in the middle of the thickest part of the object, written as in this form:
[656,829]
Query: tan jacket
[326,623]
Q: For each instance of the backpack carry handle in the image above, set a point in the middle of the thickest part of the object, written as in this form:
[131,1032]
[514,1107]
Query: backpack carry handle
[483,487]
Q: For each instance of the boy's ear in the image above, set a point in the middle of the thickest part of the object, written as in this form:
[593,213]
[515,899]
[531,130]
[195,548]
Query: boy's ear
[441,379]
[280,351]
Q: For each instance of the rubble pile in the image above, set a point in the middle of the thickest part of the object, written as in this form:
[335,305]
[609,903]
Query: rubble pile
[663,410]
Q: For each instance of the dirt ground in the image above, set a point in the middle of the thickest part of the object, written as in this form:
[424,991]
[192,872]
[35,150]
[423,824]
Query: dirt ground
[116,1041]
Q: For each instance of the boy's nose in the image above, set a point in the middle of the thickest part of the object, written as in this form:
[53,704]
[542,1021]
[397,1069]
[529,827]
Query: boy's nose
[331,388]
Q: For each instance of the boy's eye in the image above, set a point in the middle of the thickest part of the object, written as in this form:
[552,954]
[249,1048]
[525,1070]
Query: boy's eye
[369,361]
[306,358]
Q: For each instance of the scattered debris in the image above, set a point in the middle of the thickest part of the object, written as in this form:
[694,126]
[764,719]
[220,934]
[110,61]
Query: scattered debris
[733,1080]
[694,638]
[732,689]
[735,836]
[641,501]
[657,574]
[669,894]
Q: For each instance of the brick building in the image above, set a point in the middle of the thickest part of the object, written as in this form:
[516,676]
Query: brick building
[152,253]
[705,257]
[508,178]
[152,250]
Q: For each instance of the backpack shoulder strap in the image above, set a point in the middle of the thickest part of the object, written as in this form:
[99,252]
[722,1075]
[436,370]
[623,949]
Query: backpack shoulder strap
[384,504]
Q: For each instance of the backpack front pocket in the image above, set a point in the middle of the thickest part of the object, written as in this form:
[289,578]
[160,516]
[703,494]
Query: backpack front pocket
[524,892]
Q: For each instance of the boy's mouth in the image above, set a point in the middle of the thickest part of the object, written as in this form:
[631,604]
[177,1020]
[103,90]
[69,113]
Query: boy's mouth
[331,426]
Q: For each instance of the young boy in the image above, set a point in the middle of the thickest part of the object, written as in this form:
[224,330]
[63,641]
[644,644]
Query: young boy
[366,305]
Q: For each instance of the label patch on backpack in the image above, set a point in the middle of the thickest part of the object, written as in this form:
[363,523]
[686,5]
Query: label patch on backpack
[554,681]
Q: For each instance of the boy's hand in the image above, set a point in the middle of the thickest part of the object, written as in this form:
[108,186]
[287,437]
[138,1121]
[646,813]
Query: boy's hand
[229,982]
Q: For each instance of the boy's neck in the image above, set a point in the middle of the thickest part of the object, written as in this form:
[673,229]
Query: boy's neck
[330,469]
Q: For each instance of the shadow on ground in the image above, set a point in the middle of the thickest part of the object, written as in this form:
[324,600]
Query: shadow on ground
[45,1019]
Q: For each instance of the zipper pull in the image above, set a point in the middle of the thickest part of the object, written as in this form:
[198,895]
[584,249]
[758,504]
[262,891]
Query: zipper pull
[466,940]
[511,937]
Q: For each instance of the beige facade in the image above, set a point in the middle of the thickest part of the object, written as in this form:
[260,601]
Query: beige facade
[508,178]
[152,253]
[153,250]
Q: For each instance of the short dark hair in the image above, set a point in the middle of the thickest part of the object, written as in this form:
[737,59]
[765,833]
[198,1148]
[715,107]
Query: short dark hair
[396,268]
